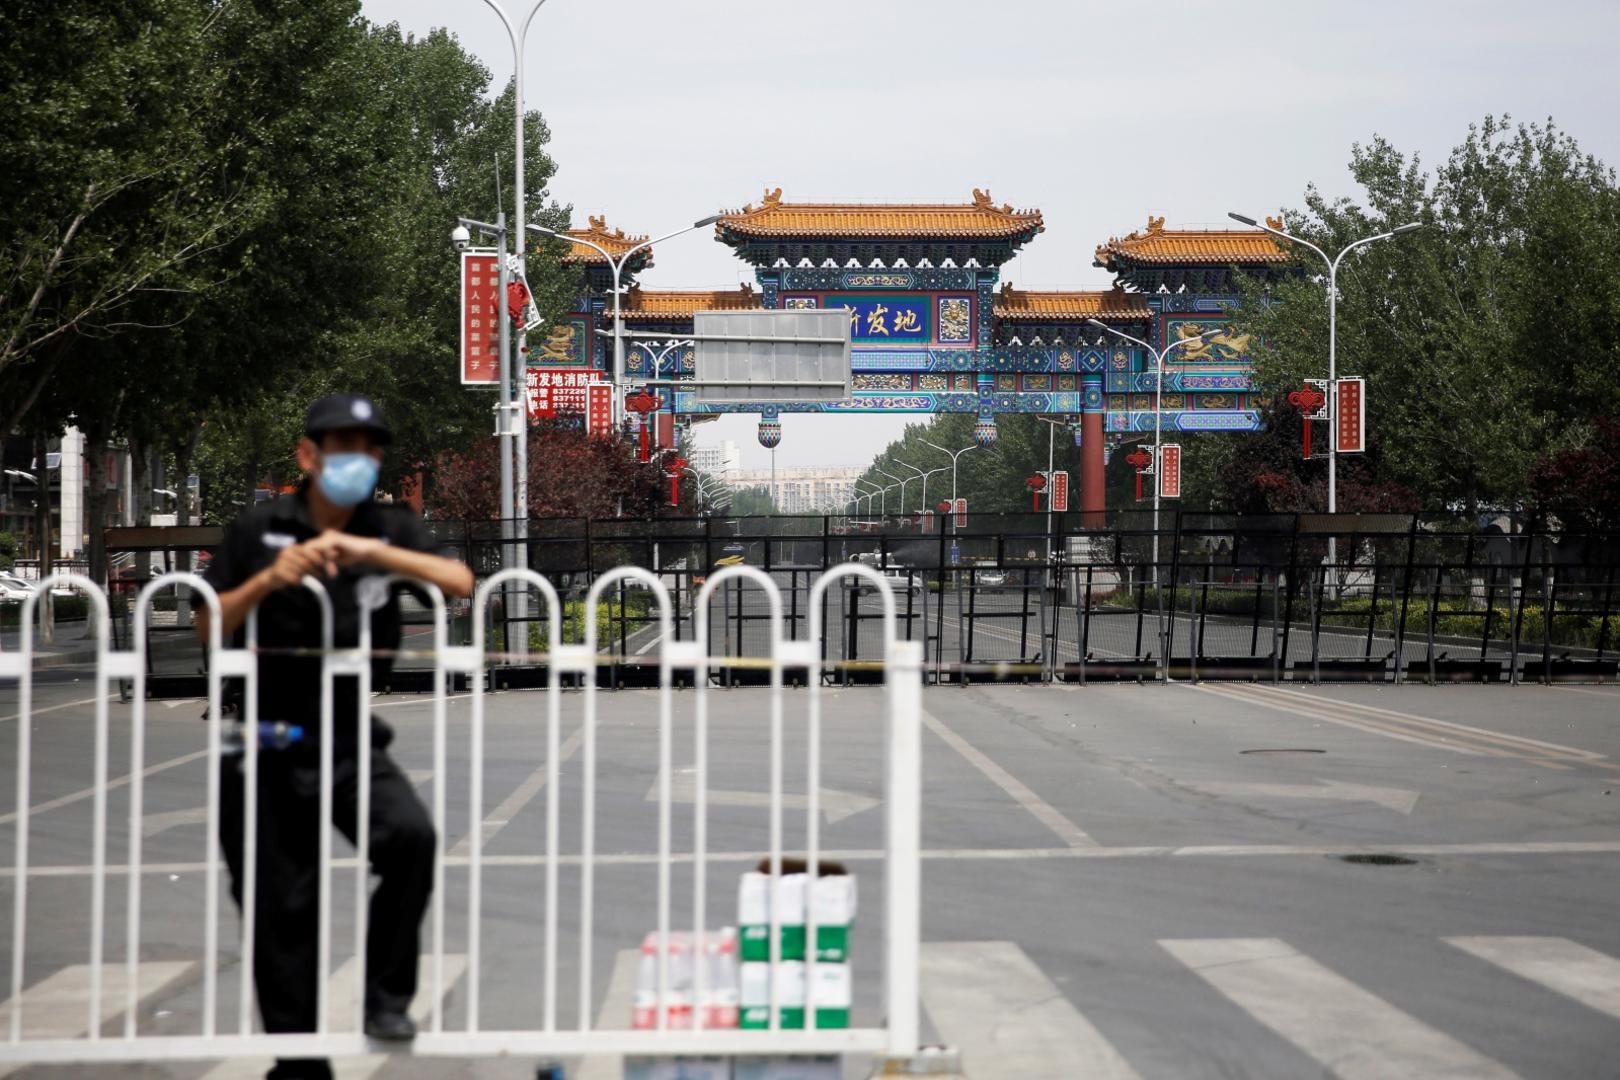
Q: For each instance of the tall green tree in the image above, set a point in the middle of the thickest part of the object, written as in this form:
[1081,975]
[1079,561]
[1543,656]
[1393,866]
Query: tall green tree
[1490,338]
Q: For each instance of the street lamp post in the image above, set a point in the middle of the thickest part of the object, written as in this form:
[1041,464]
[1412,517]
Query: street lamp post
[1333,359]
[1051,465]
[902,482]
[617,267]
[925,474]
[1158,415]
[953,455]
[876,492]
[507,426]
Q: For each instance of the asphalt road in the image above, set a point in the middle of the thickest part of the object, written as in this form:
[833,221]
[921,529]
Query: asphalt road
[1006,625]
[1147,880]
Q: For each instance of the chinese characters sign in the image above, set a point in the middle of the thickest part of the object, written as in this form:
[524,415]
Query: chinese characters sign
[1059,498]
[1170,471]
[599,409]
[480,318]
[899,318]
[558,390]
[1352,415]
[960,510]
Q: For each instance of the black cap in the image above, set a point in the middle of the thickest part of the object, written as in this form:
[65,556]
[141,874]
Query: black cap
[340,412]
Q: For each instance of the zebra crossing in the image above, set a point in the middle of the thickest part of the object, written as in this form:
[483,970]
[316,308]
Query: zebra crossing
[1011,1019]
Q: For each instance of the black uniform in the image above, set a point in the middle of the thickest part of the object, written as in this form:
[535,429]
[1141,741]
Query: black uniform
[402,839]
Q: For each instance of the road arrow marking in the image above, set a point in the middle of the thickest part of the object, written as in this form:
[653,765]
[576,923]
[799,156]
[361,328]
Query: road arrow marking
[835,805]
[1398,799]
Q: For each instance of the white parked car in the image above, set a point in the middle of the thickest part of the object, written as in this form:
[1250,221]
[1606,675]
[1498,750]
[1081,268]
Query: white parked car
[13,587]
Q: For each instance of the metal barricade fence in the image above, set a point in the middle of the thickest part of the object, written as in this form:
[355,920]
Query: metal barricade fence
[551,1034]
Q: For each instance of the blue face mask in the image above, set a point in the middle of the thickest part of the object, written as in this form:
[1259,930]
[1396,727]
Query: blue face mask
[348,479]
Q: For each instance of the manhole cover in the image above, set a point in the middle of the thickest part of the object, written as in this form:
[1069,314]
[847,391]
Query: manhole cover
[1284,750]
[1378,859]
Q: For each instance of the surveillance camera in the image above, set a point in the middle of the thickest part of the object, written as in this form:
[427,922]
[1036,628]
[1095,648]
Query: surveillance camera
[460,237]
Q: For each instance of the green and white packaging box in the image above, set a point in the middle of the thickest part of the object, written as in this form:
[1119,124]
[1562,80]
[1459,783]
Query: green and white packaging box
[833,897]
[832,994]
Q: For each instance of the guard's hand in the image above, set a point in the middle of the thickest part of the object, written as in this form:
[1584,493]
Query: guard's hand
[344,549]
[292,563]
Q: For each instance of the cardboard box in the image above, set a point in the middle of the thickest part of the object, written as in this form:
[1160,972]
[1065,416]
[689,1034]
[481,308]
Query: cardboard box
[832,898]
[833,994]
[677,1068]
[818,1067]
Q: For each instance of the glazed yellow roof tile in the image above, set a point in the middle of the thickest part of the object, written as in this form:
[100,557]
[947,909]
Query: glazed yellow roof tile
[1021,305]
[980,219]
[683,303]
[615,241]
[1193,246]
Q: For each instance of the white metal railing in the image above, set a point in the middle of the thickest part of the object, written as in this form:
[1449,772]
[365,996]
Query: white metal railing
[896,1036]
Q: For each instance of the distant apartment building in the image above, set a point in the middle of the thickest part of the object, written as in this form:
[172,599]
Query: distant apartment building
[719,459]
[801,489]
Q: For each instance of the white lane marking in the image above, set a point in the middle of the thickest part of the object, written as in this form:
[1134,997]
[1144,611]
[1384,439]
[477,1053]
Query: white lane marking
[58,1006]
[1482,739]
[1369,726]
[988,999]
[1043,811]
[1352,1033]
[651,644]
[1158,851]
[340,1017]
[1400,800]
[1590,977]
[1611,695]
[154,824]
[426,699]
[533,784]
[85,793]
[835,805]
[54,708]
[613,1015]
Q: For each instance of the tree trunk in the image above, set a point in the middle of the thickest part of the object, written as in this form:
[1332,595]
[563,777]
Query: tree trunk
[183,453]
[95,509]
[140,500]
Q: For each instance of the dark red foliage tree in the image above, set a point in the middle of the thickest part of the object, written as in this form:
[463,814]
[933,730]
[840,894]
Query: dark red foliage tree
[570,475]
[1582,485]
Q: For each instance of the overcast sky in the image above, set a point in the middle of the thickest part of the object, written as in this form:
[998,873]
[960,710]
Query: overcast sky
[1098,113]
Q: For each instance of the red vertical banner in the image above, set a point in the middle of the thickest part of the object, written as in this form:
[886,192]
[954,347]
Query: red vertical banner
[1059,499]
[480,318]
[599,409]
[960,509]
[1170,471]
[1351,411]
[926,521]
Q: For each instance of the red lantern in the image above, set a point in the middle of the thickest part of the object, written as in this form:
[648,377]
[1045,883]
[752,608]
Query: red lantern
[1036,485]
[517,301]
[642,403]
[676,467]
[1309,401]
[1141,458]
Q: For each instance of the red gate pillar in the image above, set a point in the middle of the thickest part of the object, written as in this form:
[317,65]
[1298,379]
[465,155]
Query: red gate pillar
[1093,501]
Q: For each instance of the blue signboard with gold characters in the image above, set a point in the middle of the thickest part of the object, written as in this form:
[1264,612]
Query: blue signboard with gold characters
[879,319]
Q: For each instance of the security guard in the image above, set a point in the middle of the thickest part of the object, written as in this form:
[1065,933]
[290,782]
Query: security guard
[333,530]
